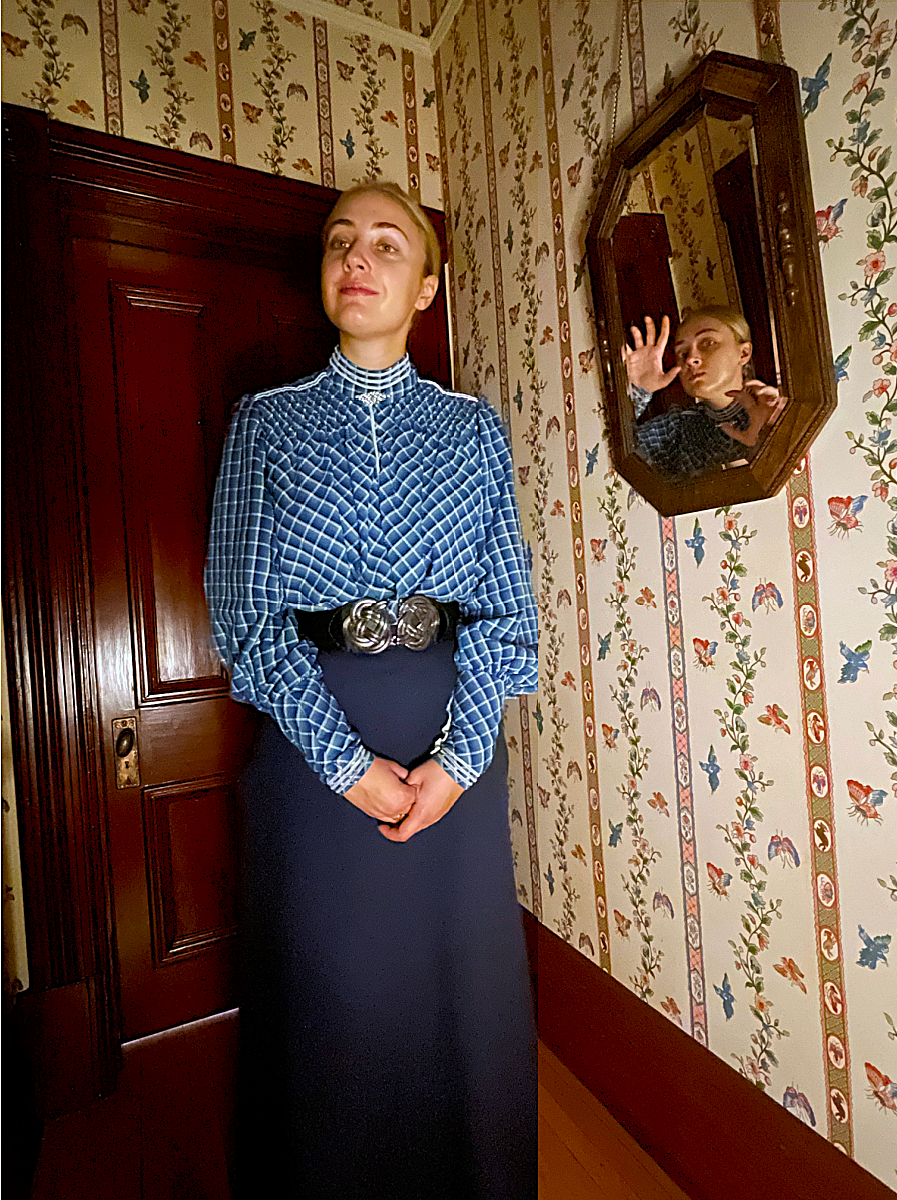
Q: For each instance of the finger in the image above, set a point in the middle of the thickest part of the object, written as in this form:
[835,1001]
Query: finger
[650,331]
[637,340]
[670,376]
[664,333]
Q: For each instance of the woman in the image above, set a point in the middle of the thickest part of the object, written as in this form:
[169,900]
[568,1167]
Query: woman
[370,593]
[713,352]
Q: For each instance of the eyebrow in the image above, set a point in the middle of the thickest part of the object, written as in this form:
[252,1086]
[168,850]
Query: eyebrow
[377,225]
[698,334]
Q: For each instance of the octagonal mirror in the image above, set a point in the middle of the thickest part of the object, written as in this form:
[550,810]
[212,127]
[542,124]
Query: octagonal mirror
[706,218]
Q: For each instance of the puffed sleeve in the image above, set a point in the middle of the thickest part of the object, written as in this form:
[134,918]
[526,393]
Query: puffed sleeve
[498,634]
[271,666]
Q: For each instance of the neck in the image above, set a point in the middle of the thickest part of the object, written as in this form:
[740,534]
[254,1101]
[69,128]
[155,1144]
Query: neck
[374,355]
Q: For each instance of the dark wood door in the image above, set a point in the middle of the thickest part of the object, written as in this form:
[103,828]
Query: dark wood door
[180,286]
[165,343]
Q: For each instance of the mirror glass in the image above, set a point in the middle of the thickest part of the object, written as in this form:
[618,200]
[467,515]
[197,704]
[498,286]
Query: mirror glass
[689,236]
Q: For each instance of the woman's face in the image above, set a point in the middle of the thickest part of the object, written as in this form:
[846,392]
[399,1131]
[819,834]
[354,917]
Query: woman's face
[711,359]
[372,274]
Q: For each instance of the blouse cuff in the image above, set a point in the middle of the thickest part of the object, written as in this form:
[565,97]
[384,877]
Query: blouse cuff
[352,772]
[462,773]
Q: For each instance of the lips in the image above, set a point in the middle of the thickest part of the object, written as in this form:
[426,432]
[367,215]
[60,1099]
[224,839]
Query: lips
[356,289]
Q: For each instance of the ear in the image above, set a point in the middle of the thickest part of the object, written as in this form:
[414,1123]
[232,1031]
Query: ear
[747,350]
[429,288]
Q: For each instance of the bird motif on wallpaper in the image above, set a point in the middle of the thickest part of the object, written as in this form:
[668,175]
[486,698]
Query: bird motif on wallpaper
[696,543]
[548,876]
[875,949]
[616,832]
[815,85]
[247,39]
[712,769]
[198,138]
[141,83]
[603,645]
[297,89]
[567,84]
[725,994]
[854,661]
[15,46]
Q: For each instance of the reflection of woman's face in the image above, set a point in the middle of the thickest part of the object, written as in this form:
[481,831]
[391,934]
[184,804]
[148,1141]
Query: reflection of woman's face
[372,274]
[711,359]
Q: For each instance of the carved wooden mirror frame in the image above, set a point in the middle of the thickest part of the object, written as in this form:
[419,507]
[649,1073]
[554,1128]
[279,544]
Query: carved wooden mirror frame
[729,86]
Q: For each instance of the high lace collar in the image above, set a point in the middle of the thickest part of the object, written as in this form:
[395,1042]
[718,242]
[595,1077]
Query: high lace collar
[364,380]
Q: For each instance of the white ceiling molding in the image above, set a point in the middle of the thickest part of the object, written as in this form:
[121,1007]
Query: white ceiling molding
[377,31]
[355,22]
[443,25]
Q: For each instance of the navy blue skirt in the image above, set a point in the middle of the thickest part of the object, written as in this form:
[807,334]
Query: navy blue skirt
[387,1046]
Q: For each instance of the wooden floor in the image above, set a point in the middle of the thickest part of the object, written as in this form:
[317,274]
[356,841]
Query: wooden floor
[166,1132]
[583,1153]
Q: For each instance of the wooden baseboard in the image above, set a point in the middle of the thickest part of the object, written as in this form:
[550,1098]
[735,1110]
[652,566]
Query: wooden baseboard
[714,1133]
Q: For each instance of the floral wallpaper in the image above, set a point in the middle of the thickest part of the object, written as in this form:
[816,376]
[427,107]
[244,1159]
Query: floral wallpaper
[704,792]
[247,81]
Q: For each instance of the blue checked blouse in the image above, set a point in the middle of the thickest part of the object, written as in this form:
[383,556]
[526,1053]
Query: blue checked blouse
[687,441]
[356,483]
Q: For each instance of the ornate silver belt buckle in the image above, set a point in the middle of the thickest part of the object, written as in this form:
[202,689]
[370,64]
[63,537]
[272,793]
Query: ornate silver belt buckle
[418,623]
[368,626]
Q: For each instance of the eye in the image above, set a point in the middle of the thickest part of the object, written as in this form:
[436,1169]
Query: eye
[389,246]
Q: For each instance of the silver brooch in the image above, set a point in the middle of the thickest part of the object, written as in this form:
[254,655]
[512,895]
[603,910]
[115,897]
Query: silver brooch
[367,626]
[418,622]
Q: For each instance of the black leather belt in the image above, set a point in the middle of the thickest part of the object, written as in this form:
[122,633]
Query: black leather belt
[371,626]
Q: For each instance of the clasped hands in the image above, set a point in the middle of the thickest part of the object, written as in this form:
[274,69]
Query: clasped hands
[404,802]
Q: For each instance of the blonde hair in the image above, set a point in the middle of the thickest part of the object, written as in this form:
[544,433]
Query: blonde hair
[727,316]
[432,251]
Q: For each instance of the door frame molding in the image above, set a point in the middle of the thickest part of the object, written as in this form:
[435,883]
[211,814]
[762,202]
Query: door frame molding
[159,199]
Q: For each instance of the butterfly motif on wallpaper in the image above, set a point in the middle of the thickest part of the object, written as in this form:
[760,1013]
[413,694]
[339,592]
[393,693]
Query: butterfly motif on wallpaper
[844,512]
[704,652]
[881,1088]
[865,802]
[603,646]
[610,736]
[797,1103]
[782,847]
[623,924]
[719,879]
[664,903]
[768,595]
[650,698]
[616,832]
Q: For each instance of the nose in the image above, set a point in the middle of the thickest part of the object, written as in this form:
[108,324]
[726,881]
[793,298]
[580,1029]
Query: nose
[354,259]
